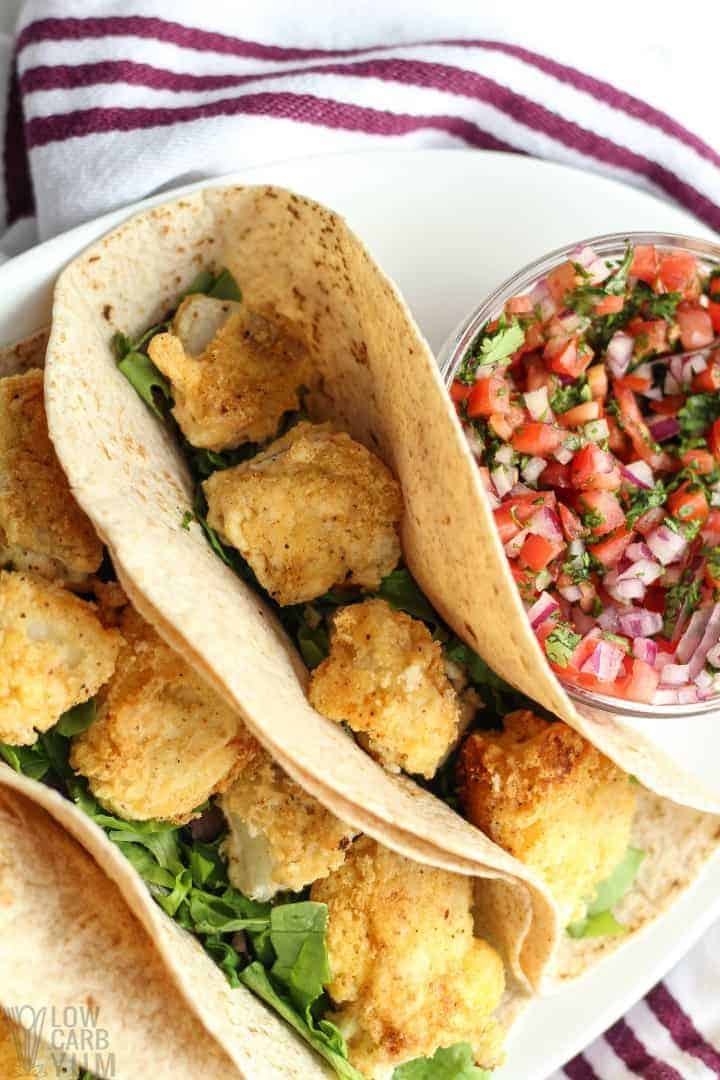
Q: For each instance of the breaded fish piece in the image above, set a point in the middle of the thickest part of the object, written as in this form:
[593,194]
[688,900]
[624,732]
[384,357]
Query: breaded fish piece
[239,387]
[312,510]
[54,653]
[386,679]
[409,976]
[280,837]
[42,528]
[547,796]
[163,740]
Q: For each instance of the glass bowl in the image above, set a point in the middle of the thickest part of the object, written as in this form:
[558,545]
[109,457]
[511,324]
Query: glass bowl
[611,246]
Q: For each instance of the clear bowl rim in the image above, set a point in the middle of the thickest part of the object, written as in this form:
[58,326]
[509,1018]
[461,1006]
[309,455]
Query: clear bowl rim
[460,339]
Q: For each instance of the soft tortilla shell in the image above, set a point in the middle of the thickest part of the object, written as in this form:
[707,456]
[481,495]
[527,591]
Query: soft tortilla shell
[291,254]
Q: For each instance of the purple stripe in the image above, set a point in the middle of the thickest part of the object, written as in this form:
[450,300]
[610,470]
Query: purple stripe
[631,1051]
[303,108]
[42,130]
[682,1030]
[19,199]
[203,40]
[580,1069]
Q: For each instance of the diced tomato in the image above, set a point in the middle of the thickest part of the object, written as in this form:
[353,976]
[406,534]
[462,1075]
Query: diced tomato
[594,468]
[655,599]
[651,336]
[525,581]
[610,550]
[638,431]
[537,439]
[580,414]
[609,305]
[650,520]
[519,305]
[617,439]
[712,578]
[564,358]
[679,273]
[555,475]
[515,511]
[584,649]
[571,524]
[701,461]
[713,310]
[459,391]
[598,382]
[500,425]
[640,684]
[488,396]
[537,374]
[714,440]
[537,552]
[689,505]
[562,280]
[636,383]
[707,381]
[710,531]
[605,510]
[645,263]
[696,328]
[668,406]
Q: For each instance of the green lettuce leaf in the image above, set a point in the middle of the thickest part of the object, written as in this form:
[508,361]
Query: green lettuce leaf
[452,1063]
[297,933]
[401,592]
[145,378]
[77,719]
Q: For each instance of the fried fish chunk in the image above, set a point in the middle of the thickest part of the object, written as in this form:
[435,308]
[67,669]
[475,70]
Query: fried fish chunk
[163,740]
[409,976]
[42,528]
[546,795]
[312,510]
[55,654]
[385,677]
[280,837]
[242,383]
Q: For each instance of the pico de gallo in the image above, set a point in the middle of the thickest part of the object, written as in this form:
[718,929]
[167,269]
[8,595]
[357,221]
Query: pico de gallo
[592,406]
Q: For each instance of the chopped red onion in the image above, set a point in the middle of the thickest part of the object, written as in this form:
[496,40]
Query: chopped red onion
[533,469]
[595,267]
[665,697]
[677,369]
[546,523]
[687,695]
[639,550]
[665,427]
[522,489]
[623,591]
[505,455]
[674,674]
[572,593]
[548,307]
[638,472]
[604,662]
[640,623]
[645,649]
[563,454]
[576,547]
[647,521]
[539,292]
[654,393]
[582,622]
[537,404]
[666,545]
[645,570]
[695,364]
[692,636]
[596,430]
[713,657]
[512,547]
[542,609]
[671,385]
[709,638]
[609,619]
[619,353]
[503,478]
[705,681]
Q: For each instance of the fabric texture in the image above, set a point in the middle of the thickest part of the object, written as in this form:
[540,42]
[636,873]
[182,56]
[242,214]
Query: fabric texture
[103,103]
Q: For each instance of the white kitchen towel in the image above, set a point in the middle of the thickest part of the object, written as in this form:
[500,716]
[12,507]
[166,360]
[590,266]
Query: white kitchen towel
[106,102]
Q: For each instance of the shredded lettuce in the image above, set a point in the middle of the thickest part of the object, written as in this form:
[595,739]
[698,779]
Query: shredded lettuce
[599,920]
[452,1063]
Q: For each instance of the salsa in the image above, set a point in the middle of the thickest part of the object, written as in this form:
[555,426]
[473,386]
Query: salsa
[592,407]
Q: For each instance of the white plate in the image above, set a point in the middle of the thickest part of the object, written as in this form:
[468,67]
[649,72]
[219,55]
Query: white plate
[448,226]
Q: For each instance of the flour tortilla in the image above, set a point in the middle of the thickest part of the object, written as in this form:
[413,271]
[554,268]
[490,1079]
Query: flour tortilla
[127,474]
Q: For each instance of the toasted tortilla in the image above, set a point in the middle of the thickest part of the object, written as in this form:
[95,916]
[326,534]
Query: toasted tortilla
[300,260]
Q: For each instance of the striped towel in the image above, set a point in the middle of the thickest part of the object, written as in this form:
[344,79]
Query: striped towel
[107,102]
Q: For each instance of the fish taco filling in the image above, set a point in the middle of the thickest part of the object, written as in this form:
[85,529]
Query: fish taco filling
[325,925]
[591,405]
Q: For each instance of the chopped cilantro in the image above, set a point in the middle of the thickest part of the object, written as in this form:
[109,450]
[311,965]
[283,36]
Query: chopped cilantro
[577,568]
[187,519]
[688,529]
[663,306]
[642,500]
[561,643]
[681,598]
[698,413]
[490,349]
[583,299]
[567,397]
[617,283]
[592,519]
[617,639]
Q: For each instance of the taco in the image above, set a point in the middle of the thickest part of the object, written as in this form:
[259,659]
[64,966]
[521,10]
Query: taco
[281,929]
[273,456]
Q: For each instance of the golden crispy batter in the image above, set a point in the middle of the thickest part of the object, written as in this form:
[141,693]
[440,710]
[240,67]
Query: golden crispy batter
[409,976]
[42,528]
[280,837]
[550,798]
[313,510]
[385,678]
[163,740]
[240,385]
[55,654]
